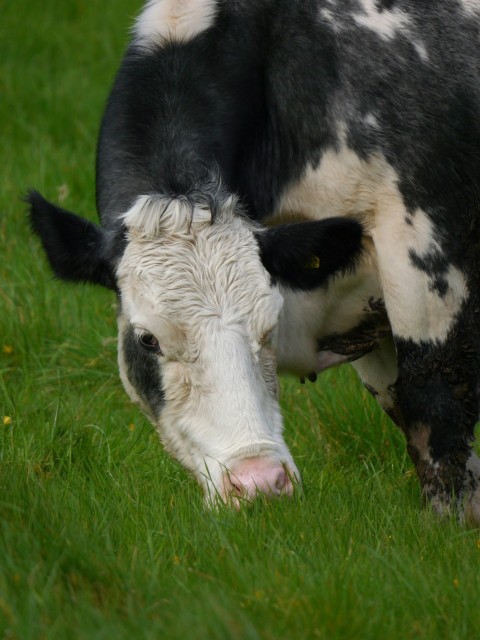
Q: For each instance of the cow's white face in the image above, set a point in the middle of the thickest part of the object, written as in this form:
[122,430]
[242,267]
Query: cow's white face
[196,319]
[197,314]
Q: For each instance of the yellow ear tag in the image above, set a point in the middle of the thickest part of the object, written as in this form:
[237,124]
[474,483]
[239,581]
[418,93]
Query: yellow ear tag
[314,263]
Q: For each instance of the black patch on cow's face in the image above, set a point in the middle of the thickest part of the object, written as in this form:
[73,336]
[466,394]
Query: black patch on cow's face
[143,370]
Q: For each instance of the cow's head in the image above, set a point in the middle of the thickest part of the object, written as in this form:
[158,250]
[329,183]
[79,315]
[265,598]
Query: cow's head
[198,310]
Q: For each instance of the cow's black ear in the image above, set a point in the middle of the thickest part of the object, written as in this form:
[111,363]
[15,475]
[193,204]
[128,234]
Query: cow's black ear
[304,255]
[75,248]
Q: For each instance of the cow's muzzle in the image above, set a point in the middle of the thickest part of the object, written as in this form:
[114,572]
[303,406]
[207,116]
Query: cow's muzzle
[253,477]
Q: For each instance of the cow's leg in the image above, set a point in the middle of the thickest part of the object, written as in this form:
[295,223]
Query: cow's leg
[378,372]
[437,392]
[433,314]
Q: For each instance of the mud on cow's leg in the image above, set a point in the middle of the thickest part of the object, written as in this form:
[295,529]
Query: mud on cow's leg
[432,304]
[437,392]
[435,403]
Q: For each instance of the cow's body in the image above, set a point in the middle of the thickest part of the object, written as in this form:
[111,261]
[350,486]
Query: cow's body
[308,109]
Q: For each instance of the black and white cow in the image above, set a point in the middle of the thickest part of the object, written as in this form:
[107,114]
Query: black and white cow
[226,112]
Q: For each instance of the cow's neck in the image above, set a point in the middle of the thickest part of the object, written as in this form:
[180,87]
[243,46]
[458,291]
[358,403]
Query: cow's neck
[321,328]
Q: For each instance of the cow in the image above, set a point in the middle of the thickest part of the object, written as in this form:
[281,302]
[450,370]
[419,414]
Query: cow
[290,185]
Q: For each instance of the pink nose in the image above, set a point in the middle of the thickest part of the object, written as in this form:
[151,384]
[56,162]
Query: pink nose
[254,476]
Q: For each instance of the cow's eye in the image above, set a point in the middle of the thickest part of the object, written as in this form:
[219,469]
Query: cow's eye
[149,343]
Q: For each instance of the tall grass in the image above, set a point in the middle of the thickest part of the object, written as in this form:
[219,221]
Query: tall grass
[104,536]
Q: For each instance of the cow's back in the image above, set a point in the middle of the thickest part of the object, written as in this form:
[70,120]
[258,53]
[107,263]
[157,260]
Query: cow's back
[182,112]
[402,82]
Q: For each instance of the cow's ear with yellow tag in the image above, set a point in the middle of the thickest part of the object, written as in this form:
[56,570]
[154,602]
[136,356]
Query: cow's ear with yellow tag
[313,263]
[304,255]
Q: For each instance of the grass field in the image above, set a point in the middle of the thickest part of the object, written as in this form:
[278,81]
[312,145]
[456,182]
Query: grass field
[101,534]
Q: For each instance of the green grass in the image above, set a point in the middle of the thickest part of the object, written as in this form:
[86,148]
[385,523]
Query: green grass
[101,534]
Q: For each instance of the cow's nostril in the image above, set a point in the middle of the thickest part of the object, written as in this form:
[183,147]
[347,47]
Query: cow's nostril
[281,480]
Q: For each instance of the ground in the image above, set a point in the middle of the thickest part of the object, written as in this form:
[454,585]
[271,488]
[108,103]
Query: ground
[101,534]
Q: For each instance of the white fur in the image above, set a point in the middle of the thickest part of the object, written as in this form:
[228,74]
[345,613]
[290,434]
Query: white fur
[152,214]
[386,23]
[344,184]
[372,121]
[421,51]
[471,7]
[416,311]
[307,317]
[329,17]
[174,20]
[378,370]
[210,312]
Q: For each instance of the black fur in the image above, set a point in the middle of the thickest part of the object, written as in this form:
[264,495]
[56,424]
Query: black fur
[179,114]
[144,373]
[77,249]
[305,255]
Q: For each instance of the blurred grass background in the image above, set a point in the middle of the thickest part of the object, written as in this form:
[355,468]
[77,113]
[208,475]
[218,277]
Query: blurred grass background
[101,534]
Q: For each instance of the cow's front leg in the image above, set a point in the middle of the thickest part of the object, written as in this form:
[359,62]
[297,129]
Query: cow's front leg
[432,311]
[437,394]
[378,371]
